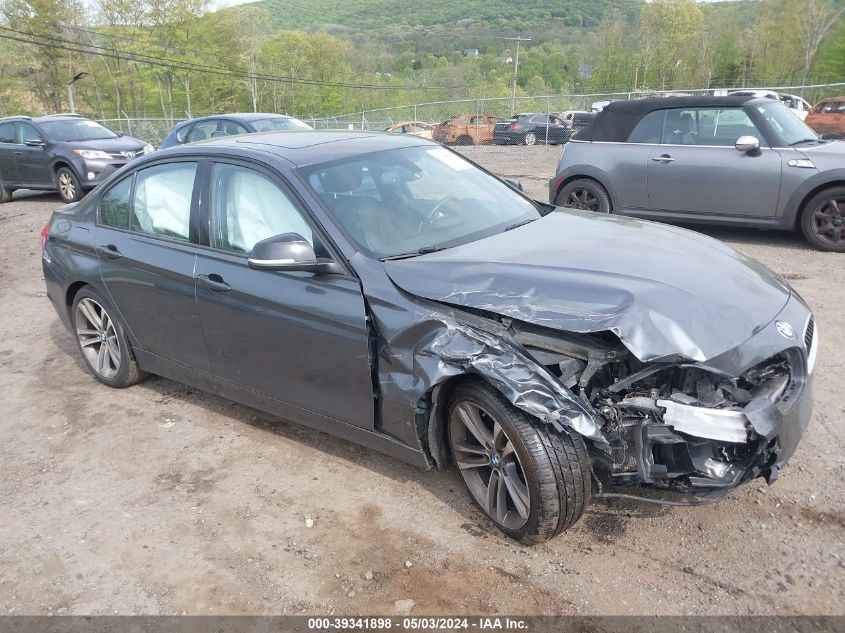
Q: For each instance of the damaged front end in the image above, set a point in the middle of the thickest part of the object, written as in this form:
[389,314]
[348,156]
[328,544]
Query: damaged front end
[684,427]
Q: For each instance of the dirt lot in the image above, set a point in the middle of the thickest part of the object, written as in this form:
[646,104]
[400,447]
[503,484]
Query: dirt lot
[161,500]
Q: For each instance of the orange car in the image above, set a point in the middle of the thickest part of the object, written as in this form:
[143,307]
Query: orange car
[828,118]
[466,129]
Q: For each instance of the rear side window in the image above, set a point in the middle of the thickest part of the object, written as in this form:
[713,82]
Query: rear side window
[202,131]
[162,200]
[114,205]
[649,129]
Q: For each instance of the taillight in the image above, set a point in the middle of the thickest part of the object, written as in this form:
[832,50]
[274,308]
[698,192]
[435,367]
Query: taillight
[514,126]
[45,233]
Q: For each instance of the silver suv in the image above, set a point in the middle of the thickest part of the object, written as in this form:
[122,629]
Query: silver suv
[714,160]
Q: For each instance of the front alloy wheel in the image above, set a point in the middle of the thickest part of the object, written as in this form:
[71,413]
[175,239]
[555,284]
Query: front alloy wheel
[823,221]
[68,185]
[530,480]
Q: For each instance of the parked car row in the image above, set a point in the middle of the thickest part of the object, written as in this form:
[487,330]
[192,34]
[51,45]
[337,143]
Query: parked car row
[71,154]
[733,160]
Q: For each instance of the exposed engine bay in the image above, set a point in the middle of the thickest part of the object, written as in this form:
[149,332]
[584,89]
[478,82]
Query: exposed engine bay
[672,425]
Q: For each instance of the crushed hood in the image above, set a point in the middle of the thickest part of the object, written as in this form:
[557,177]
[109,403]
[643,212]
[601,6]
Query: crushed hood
[666,292]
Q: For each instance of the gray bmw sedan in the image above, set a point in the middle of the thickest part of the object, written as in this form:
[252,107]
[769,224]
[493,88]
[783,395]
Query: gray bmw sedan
[386,290]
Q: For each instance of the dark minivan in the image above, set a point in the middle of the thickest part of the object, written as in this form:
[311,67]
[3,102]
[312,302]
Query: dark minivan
[63,152]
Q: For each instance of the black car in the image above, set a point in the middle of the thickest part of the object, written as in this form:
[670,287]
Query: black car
[230,124]
[531,128]
[383,288]
[63,152]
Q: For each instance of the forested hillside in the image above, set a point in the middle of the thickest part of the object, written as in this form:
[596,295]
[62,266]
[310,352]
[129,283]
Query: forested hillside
[178,58]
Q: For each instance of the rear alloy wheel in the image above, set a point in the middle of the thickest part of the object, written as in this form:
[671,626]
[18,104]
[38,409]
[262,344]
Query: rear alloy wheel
[530,138]
[103,342]
[823,220]
[68,185]
[584,194]
[532,482]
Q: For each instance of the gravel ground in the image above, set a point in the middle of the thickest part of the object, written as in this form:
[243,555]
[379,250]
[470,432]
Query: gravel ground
[162,500]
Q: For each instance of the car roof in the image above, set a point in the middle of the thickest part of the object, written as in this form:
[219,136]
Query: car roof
[45,118]
[617,120]
[306,147]
[241,116]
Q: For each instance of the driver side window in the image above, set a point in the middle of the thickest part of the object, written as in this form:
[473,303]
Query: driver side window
[247,207]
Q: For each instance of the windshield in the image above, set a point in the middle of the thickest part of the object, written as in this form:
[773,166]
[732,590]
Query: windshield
[401,201]
[279,125]
[789,127]
[77,130]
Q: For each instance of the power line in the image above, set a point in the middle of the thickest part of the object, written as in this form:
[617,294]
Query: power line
[119,54]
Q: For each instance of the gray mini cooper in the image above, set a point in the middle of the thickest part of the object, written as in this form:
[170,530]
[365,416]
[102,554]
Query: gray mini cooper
[713,160]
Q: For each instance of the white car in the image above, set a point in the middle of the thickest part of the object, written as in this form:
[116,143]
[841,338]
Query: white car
[798,106]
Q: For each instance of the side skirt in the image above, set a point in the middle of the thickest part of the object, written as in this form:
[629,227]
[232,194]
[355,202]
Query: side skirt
[205,382]
[713,219]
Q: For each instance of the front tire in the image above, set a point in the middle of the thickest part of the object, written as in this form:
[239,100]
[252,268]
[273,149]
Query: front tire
[823,220]
[529,480]
[68,185]
[102,341]
[585,194]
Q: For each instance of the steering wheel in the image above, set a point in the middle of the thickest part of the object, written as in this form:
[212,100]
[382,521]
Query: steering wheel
[431,218]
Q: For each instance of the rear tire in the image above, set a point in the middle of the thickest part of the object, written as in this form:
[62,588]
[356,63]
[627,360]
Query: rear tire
[540,479]
[464,140]
[585,194]
[102,341]
[823,220]
[68,185]
[5,194]
[530,139]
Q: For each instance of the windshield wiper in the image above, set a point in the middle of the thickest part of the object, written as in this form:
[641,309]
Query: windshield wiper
[425,250]
[519,224]
[805,140]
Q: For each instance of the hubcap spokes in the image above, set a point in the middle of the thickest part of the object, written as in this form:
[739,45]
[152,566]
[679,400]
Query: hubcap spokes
[97,338]
[582,199]
[488,462]
[829,221]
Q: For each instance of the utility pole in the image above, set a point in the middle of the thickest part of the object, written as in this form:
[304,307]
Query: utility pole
[515,68]
[76,77]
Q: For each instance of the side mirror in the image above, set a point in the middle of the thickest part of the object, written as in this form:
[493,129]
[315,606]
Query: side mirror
[34,142]
[513,183]
[747,143]
[287,252]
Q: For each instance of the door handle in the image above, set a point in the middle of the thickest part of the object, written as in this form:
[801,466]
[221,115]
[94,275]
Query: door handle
[18,153]
[665,158]
[213,282]
[109,251]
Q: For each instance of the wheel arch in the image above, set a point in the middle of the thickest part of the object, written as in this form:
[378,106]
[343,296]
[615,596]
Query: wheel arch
[71,292]
[589,173]
[802,205]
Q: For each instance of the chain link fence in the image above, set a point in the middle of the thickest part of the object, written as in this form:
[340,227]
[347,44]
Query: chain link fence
[827,118]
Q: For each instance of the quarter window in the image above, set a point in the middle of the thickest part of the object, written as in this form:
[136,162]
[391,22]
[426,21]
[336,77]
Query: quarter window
[114,205]
[162,201]
[248,207]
